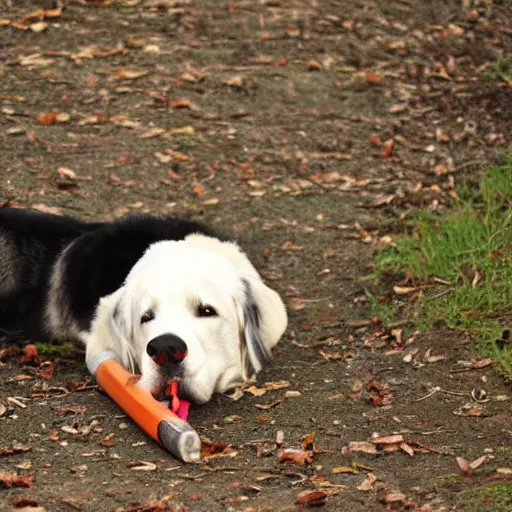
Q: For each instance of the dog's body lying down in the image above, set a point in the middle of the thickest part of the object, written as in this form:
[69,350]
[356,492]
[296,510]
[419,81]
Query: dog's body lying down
[168,297]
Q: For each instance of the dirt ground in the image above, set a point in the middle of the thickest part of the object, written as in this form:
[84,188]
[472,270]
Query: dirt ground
[309,130]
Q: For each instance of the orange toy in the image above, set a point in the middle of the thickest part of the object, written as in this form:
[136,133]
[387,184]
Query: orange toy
[172,432]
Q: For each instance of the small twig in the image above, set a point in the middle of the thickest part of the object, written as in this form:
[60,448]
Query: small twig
[432,393]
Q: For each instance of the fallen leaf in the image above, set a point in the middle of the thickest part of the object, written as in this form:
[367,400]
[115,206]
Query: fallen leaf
[148,506]
[39,26]
[396,439]
[404,290]
[314,65]
[61,411]
[142,465]
[13,480]
[392,497]
[183,130]
[217,450]
[235,81]
[373,78]
[308,443]
[255,391]
[30,355]
[180,103]
[375,140]
[478,462]
[198,189]
[387,148]
[367,483]
[127,74]
[296,304]
[66,172]
[47,118]
[295,456]
[311,498]
[463,465]
[266,407]
[362,446]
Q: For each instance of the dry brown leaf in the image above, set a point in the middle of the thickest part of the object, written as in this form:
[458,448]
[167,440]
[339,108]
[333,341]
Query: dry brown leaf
[314,65]
[30,355]
[127,74]
[463,465]
[183,130]
[395,439]
[291,456]
[235,81]
[393,497]
[289,246]
[387,148]
[255,391]
[13,480]
[152,132]
[407,449]
[404,290]
[181,103]
[142,465]
[367,483]
[198,189]
[296,304]
[39,26]
[47,118]
[279,384]
[217,450]
[362,446]
[375,140]
[343,469]
[311,498]
[478,462]
[266,407]
[373,78]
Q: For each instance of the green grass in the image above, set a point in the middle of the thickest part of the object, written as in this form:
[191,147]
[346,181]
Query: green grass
[470,248]
[490,498]
[49,349]
[500,70]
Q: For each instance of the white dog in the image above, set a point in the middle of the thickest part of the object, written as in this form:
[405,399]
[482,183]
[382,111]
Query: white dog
[170,299]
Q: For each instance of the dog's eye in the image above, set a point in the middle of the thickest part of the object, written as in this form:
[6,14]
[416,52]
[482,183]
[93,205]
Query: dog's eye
[147,316]
[206,310]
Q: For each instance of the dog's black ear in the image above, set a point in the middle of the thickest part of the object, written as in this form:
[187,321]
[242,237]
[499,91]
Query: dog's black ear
[259,354]
[264,321]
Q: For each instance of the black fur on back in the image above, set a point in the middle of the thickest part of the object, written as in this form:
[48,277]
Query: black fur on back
[95,264]
[34,241]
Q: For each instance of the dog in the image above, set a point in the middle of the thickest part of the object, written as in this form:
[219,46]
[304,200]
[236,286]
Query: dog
[172,300]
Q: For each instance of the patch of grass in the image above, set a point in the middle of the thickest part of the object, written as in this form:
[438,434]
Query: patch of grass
[490,498]
[450,479]
[469,249]
[500,70]
[49,349]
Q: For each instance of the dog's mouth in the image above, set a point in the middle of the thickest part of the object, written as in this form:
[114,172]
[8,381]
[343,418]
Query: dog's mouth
[170,392]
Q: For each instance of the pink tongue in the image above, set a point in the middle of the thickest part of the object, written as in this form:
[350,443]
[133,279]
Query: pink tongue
[182,411]
[178,406]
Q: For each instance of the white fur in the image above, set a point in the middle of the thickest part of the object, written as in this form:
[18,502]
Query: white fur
[173,278]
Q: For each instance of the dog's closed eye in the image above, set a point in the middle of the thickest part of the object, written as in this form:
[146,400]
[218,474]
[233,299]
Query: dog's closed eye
[147,316]
[204,310]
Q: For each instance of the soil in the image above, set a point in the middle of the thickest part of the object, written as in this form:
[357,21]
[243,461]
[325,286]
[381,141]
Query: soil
[309,131]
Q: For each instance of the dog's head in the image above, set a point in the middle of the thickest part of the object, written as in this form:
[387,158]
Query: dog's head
[194,311]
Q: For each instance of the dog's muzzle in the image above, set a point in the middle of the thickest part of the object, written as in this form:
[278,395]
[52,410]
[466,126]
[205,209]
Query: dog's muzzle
[167,349]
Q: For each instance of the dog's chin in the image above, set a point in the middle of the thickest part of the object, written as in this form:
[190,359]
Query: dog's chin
[186,391]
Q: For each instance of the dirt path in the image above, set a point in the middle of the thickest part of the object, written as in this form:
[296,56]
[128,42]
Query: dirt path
[276,121]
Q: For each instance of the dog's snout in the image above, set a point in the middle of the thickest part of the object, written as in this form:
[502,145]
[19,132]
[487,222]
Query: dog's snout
[167,349]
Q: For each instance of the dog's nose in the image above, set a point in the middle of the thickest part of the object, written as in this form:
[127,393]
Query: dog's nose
[167,349]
